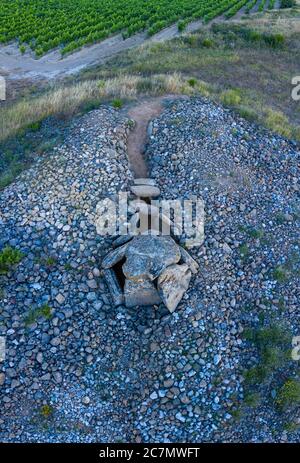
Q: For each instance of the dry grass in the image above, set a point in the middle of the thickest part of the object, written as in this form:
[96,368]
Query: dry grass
[67,100]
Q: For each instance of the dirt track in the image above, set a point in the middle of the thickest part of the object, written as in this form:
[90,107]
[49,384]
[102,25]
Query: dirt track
[17,66]
[142,113]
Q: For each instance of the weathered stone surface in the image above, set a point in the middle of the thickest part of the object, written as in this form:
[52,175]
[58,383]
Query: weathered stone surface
[144,181]
[147,256]
[114,287]
[140,293]
[145,191]
[187,259]
[172,284]
[114,257]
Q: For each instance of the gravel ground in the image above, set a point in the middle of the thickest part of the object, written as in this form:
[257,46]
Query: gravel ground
[88,372]
[66,377]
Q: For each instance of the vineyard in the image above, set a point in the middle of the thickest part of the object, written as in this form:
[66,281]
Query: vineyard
[43,25]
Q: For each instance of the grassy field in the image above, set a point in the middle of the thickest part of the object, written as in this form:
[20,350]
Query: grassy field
[246,65]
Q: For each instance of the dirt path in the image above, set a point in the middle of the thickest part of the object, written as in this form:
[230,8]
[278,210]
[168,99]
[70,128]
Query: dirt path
[142,113]
[50,66]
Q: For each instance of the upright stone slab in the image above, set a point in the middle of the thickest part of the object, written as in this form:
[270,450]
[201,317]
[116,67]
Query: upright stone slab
[172,284]
[140,293]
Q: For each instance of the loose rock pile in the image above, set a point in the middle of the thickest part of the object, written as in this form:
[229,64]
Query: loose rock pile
[77,368]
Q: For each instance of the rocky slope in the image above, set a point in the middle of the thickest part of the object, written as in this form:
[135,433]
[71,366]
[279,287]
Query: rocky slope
[78,369]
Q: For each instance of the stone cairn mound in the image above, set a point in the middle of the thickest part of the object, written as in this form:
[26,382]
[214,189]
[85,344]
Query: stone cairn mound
[147,266]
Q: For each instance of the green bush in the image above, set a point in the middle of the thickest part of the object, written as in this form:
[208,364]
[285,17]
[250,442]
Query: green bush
[117,103]
[274,40]
[192,82]
[207,43]
[247,113]
[278,122]
[182,25]
[273,344]
[34,126]
[280,274]
[256,375]
[46,411]
[34,314]
[8,258]
[289,394]
[192,41]
[252,399]
[231,97]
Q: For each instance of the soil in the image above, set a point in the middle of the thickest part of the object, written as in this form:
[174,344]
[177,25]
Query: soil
[142,113]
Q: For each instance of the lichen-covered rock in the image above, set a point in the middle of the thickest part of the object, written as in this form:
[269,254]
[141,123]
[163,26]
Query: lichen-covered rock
[173,283]
[147,256]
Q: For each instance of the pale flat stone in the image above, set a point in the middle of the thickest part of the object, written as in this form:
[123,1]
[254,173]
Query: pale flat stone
[144,181]
[172,284]
[145,191]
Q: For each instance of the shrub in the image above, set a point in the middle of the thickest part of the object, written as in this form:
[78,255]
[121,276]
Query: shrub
[256,375]
[8,258]
[273,344]
[182,25]
[192,41]
[203,88]
[117,103]
[278,122]
[22,49]
[274,40]
[280,274]
[289,394]
[34,126]
[252,399]
[46,411]
[247,113]
[192,82]
[253,36]
[231,97]
[207,43]
[42,311]
[244,251]
[91,105]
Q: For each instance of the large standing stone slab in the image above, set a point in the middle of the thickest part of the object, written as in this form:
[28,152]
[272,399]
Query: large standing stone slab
[140,293]
[114,256]
[173,283]
[114,287]
[187,259]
